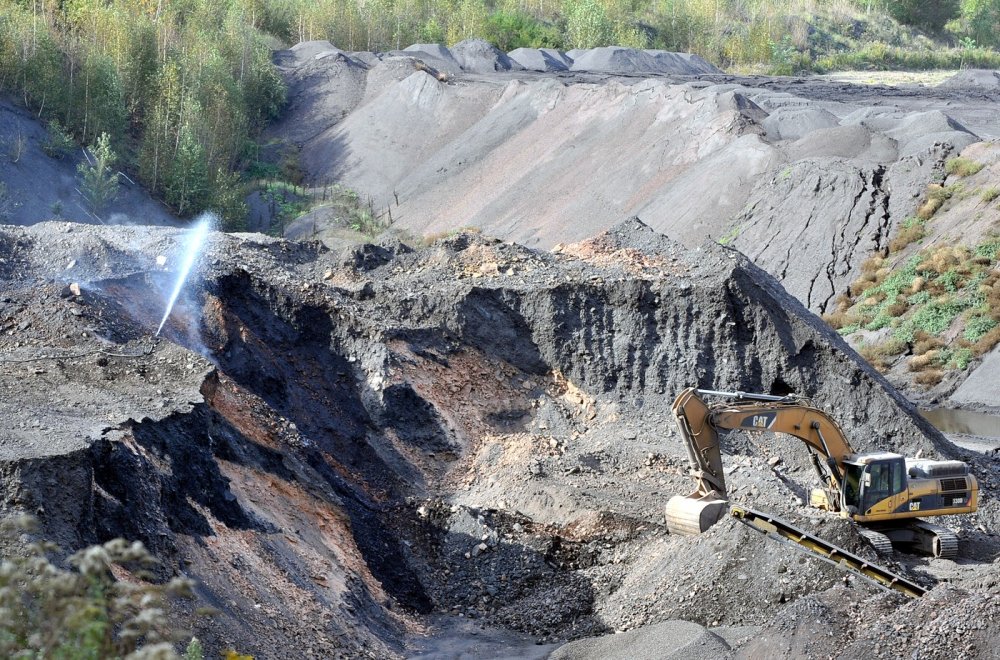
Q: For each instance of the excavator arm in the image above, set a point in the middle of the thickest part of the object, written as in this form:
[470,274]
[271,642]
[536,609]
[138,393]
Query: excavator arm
[700,423]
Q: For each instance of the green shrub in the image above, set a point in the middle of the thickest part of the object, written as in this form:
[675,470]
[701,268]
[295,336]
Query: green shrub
[961,166]
[935,317]
[977,326]
[956,358]
[59,142]
[950,280]
[98,178]
[989,249]
[930,16]
[508,30]
[81,611]
[989,194]
[881,320]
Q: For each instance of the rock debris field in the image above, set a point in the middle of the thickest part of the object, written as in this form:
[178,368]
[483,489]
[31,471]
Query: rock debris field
[461,450]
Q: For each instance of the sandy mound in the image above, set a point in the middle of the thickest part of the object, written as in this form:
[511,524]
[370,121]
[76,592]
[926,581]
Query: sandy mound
[479,56]
[629,61]
[436,55]
[687,64]
[324,85]
[985,78]
[306,50]
[854,141]
[793,123]
[541,59]
[549,159]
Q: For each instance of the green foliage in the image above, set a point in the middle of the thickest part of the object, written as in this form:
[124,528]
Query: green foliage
[186,184]
[880,56]
[977,326]
[59,142]
[587,23]
[786,59]
[285,202]
[935,317]
[989,249]
[229,200]
[508,30]
[925,15]
[950,280]
[175,85]
[978,22]
[960,166]
[97,177]
[956,358]
[881,320]
[81,611]
[987,195]
[194,650]
[944,193]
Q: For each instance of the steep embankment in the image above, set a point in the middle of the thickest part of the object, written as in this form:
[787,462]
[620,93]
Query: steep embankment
[927,310]
[346,444]
[807,177]
[37,186]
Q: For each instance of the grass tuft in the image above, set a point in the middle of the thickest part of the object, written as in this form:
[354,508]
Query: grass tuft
[961,166]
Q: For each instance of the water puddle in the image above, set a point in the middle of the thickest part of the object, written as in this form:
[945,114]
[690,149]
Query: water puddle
[949,420]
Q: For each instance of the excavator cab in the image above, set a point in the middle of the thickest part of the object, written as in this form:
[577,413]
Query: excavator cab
[872,483]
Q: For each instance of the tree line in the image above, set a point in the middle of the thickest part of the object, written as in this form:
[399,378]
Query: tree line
[179,88]
[183,87]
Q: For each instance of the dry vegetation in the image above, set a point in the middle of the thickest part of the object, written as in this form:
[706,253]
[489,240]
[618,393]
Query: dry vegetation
[941,305]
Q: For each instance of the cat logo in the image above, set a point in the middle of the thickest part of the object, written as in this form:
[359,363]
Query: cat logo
[915,505]
[762,421]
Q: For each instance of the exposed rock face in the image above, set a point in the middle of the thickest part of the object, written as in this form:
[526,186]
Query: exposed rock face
[353,441]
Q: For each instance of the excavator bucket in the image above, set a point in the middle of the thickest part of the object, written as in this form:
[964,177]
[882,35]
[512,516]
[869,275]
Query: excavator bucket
[689,516]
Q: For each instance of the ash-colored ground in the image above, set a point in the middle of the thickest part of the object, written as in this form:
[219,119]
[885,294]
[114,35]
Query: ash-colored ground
[464,450]
[389,446]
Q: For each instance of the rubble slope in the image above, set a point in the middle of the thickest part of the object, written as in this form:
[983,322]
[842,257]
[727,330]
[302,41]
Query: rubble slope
[351,451]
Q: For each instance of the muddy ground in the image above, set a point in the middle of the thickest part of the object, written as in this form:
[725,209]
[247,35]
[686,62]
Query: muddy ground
[465,448]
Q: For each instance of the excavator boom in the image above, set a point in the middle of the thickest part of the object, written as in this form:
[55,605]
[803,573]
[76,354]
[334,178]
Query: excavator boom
[700,423]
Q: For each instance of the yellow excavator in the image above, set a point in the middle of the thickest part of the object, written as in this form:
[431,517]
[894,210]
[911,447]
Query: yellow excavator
[884,492]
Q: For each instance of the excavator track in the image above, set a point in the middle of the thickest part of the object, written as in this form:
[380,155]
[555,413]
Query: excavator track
[879,541]
[786,532]
[944,542]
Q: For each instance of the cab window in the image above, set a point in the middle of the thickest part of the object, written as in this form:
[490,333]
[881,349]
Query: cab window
[852,484]
[886,478]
